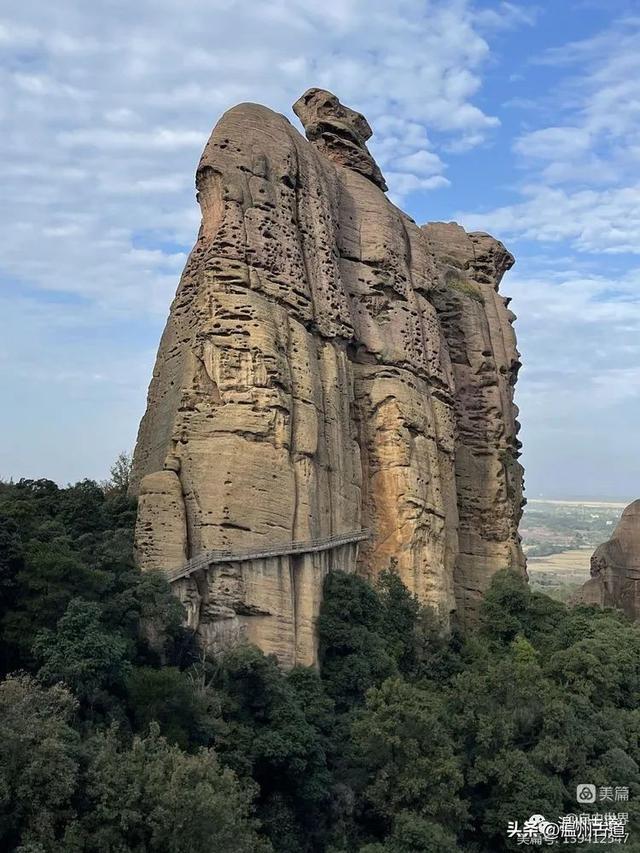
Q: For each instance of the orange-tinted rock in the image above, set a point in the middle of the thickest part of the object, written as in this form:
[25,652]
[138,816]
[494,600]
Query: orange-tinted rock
[328,365]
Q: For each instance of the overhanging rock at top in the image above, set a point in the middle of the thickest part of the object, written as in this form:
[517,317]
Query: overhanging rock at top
[327,366]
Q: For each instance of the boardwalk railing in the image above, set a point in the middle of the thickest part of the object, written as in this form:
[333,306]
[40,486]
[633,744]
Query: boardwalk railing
[310,546]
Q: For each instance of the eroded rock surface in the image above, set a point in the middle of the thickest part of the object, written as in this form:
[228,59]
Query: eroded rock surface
[327,366]
[615,567]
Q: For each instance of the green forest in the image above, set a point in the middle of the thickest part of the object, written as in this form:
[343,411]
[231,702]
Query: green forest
[117,736]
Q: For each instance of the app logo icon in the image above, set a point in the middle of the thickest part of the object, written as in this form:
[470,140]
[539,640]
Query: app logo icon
[586,793]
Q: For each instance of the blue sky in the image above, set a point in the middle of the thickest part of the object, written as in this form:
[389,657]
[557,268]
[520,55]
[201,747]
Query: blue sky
[519,118]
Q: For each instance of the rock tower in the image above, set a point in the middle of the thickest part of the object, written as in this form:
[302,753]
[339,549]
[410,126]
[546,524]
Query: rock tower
[328,367]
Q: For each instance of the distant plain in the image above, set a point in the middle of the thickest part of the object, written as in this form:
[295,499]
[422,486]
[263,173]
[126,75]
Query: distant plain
[559,537]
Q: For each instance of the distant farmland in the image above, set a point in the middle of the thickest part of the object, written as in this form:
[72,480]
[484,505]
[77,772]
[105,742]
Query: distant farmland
[559,538]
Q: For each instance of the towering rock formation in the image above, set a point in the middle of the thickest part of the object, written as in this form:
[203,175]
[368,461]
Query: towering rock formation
[615,567]
[327,366]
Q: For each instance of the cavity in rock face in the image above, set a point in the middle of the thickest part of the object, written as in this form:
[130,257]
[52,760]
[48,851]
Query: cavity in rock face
[327,366]
[615,567]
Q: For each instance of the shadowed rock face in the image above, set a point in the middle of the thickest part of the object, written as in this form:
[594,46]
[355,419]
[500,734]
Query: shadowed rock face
[615,567]
[327,365]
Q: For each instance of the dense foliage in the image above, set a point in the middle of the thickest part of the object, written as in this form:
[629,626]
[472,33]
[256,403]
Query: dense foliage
[117,737]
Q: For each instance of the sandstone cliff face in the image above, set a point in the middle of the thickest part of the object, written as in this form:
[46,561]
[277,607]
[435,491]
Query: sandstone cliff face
[477,326]
[327,366]
[615,567]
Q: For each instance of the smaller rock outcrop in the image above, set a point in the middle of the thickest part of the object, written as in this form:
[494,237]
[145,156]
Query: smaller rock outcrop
[615,567]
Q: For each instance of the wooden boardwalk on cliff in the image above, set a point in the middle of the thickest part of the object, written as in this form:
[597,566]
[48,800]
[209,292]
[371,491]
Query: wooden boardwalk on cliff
[309,546]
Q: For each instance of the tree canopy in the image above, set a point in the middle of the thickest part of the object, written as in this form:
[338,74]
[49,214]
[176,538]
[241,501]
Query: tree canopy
[118,737]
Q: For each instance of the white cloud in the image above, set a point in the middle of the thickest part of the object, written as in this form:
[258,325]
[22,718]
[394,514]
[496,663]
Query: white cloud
[550,143]
[579,388]
[160,138]
[421,163]
[404,183]
[579,322]
[114,104]
[581,171]
[508,15]
[606,221]
[579,331]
